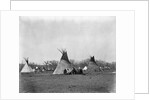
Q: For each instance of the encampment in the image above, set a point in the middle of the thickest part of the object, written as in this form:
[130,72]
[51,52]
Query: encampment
[26,68]
[63,64]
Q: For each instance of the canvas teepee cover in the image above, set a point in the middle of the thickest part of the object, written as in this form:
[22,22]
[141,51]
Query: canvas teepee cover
[63,64]
[26,68]
[92,66]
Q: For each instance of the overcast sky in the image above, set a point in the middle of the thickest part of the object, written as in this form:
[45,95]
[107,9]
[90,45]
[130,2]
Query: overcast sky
[39,38]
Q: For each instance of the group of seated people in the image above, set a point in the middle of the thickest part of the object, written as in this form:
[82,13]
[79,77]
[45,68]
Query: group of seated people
[73,71]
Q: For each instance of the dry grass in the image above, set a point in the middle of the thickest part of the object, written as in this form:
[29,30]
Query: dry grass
[48,83]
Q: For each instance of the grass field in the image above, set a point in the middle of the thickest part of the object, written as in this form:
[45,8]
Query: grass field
[47,83]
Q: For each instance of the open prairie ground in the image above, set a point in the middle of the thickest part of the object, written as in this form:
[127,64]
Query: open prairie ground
[46,82]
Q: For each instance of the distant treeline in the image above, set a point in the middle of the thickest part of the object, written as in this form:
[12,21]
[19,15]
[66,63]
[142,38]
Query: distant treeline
[51,65]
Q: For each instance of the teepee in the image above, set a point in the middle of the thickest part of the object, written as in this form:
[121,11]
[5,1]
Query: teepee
[92,66]
[63,64]
[26,68]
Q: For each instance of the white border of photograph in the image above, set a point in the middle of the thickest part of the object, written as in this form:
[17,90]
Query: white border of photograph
[5,4]
[124,55]
[141,26]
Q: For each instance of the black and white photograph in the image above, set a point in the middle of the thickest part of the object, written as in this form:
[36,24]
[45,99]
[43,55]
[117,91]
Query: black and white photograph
[67,54]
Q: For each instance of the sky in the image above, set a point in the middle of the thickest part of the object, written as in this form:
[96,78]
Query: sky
[82,37]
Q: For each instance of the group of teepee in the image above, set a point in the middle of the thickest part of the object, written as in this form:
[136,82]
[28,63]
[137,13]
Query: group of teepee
[64,64]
